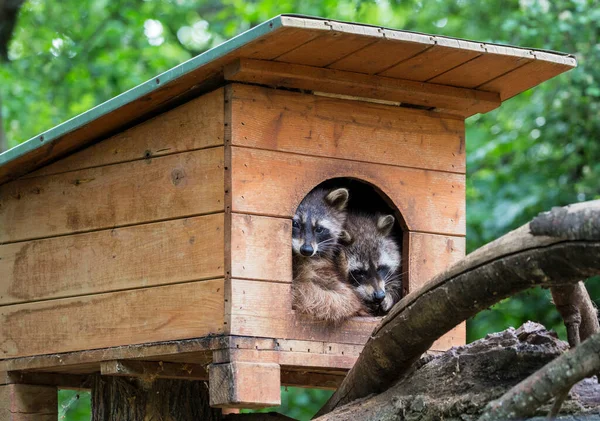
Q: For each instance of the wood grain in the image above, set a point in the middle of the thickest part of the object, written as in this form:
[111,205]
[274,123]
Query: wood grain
[250,316]
[261,248]
[430,63]
[429,255]
[194,125]
[467,101]
[109,260]
[321,126]
[153,370]
[381,55]
[307,360]
[523,78]
[480,70]
[326,49]
[120,318]
[167,187]
[273,184]
[21,402]
[244,385]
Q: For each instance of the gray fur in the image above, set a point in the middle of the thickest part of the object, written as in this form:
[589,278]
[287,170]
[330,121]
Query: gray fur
[373,260]
[325,209]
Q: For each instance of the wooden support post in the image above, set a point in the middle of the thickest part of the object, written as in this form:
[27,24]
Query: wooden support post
[142,399]
[244,385]
[24,402]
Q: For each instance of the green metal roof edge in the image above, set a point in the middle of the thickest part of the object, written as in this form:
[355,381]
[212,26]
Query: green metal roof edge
[139,91]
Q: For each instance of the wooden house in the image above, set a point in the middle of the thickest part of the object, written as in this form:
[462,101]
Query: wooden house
[153,232]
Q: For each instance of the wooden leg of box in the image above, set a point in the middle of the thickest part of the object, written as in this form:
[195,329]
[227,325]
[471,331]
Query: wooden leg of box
[23,402]
[141,399]
[244,385]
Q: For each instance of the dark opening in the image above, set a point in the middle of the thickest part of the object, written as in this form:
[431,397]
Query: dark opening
[368,199]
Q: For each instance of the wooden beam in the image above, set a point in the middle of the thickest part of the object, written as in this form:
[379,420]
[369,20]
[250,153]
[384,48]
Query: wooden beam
[23,402]
[244,385]
[465,101]
[153,369]
[62,380]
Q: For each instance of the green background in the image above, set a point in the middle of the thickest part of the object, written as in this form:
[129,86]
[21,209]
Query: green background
[538,150]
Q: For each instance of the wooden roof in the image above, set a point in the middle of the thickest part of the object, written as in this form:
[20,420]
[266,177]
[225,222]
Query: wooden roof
[320,55]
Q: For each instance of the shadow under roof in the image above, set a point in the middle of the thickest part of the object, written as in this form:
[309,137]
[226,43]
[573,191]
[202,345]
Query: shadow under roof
[301,40]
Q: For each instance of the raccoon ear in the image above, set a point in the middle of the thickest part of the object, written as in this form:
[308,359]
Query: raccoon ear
[345,238]
[338,198]
[385,224]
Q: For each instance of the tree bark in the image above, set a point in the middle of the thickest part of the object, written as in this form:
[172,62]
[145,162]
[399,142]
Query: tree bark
[458,384]
[9,9]
[553,379]
[120,398]
[514,262]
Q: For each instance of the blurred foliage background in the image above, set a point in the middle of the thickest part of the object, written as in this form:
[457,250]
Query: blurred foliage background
[538,150]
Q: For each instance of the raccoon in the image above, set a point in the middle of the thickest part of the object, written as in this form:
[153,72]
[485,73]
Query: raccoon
[373,261]
[319,288]
[318,224]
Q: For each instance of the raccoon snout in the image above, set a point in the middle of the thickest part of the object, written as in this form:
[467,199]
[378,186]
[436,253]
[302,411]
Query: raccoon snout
[379,296]
[306,250]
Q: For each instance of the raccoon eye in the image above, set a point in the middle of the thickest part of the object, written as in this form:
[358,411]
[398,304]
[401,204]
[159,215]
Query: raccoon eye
[320,230]
[383,270]
[295,224]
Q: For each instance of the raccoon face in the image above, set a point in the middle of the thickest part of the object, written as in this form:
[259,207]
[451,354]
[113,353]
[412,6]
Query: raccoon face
[318,223]
[372,260]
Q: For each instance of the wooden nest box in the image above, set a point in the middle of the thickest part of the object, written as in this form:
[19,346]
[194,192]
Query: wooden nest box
[151,235]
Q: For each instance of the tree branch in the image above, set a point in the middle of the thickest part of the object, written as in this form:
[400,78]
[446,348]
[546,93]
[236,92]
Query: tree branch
[556,377]
[515,262]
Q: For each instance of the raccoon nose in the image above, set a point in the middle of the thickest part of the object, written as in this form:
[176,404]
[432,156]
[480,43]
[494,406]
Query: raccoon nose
[306,250]
[378,296]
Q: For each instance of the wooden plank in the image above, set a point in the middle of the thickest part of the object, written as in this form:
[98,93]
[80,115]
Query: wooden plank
[310,379]
[261,248]
[524,78]
[244,385]
[292,122]
[20,402]
[287,39]
[379,56]
[273,184]
[326,49]
[250,316]
[429,255]
[344,110]
[88,361]
[298,76]
[480,70]
[109,260]
[288,358]
[167,187]
[164,313]
[64,381]
[153,370]
[195,125]
[430,63]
